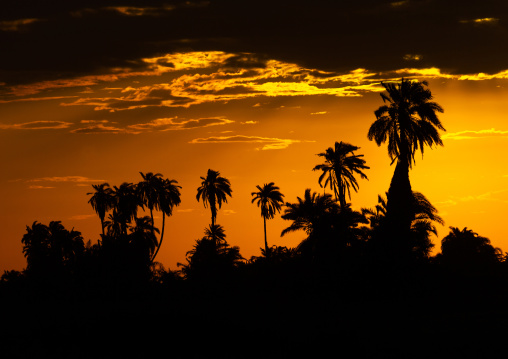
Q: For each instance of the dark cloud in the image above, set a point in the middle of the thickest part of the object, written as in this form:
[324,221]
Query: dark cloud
[86,37]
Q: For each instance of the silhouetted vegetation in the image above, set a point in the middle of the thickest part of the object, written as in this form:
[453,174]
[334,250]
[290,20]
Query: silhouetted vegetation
[362,281]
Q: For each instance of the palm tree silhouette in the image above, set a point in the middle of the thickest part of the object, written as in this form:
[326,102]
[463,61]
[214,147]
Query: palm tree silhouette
[114,225]
[408,121]
[270,200]
[422,226]
[149,191]
[169,197]
[330,228]
[213,191]
[341,165]
[51,249]
[127,203]
[143,236]
[211,259]
[157,193]
[308,213]
[215,233]
[467,251]
[102,200]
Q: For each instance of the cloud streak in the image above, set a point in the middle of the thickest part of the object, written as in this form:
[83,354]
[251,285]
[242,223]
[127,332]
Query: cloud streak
[173,124]
[17,25]
[74,179]
[37,125]
[470,135]
[268,142]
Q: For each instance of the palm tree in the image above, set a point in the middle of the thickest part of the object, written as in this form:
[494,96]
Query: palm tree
[49,250]
[409,122]
[270,200]
[127,203]
[465,250]
[157,193]
[113,226]
[341,165]
[211,260]
[102,200]
[422,225]
[330,228]
[215,233]
[149,191]
[213,191]
[143,236]
[169,197]
[308,214]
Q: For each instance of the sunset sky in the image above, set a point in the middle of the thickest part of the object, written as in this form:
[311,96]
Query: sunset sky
[97,91]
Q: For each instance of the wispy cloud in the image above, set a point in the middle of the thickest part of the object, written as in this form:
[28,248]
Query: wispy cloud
[39,187]
[16,25]
[140,11]
[187,210]
[434,72]
[492,196]
[76,179]
[469,134]
[269,143]
[171,124]
[37,125]
[319,113]
[412,57]
[481,21]
[399,3]
[33,99]
[101,128]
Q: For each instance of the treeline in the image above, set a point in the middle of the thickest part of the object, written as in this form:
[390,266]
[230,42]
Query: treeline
[363,281]
[395,233]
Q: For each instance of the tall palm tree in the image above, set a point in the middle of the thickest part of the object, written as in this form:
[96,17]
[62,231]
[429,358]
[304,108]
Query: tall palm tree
[149,191]
[341,165]
[157,193]
[169,197]
[270,200]
[213,191]
[408,122]
[102,200]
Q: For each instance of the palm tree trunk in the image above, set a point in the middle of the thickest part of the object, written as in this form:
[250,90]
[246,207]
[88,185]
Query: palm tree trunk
[213,209]
[267,254]
[399,205]
[342,195]
[162,236]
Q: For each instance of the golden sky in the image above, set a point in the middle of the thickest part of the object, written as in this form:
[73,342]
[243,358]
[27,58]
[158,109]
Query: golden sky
[256,117]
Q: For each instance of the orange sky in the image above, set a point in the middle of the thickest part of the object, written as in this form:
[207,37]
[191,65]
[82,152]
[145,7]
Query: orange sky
[254,123]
